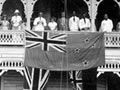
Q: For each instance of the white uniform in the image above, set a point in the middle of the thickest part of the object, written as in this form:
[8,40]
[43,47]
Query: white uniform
[106,26]
[84,23]
[52,26]
[74,23]
[39,24]
[5,24]
[16,20]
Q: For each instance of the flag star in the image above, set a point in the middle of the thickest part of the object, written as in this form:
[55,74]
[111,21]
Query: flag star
[77,50]
[86,40]
[85,63]
[93,45]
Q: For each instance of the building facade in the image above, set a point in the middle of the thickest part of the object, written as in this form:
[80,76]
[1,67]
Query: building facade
[12,50]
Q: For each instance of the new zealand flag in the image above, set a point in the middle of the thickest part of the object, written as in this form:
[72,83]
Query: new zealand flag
[61,51]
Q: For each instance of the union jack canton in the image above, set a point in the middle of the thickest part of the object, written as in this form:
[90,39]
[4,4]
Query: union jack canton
[46,39]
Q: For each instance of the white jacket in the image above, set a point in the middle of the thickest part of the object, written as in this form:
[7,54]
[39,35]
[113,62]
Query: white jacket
[39,24]
[73,23]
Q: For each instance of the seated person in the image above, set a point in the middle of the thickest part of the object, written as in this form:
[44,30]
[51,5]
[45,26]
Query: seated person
[16,20]
[39,23]
[52,24]
[84,23]
[4,23]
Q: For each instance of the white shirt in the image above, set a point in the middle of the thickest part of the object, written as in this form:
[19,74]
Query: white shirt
[52,25]
[16,20]
[39,24]
[106,25]
[5,24]
[74,23]
[84,23]
[118,27]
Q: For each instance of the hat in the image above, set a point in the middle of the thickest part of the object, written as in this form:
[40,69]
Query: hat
[16,11]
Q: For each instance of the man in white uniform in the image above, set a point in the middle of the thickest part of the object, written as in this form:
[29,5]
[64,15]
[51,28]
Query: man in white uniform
[16,20]
[74,22]
[106,24]
[84,23]
[39,23]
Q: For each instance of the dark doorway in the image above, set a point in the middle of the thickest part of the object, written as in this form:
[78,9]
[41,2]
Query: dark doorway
[111,8]
[10,6]
[59,80]
[79,6]
[108,81]
[102,82]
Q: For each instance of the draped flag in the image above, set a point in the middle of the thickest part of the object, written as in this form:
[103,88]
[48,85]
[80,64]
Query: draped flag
[76,80]
[36,78]
[64,50]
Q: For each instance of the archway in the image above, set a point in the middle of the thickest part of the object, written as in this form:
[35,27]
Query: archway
[79,6]
[12,80]
[53,8]
[10,6]
[111,8]
[108,81]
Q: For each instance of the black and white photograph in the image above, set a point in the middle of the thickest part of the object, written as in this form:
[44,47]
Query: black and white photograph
[59,44]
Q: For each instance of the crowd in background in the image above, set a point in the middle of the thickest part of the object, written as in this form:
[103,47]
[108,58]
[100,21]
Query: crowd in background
[74,23]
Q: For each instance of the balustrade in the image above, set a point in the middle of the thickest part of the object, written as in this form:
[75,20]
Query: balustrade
[110,66]
[9,64]
[12,38]
[8,38]
[112,39]
[18,38]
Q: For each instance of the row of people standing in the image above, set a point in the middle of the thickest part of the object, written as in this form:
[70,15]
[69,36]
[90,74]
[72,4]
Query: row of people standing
[63,24]
[15,22]
[74,23]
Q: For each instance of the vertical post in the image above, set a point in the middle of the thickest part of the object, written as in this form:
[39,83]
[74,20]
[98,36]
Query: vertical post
[76,80]
[65,7]
[93,13]
[1,5]
[29,10]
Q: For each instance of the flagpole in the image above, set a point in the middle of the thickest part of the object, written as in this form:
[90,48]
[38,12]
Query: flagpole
[65,7]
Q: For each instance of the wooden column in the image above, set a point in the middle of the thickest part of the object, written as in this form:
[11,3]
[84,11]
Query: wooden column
[1,5]
[29,11]
[92,8]
[93,13]
[118,2]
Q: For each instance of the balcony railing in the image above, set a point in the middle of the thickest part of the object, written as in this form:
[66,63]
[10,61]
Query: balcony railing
[110,66]
[112,39]
[15,38]
[12,38]
[10,64]
[18,38]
